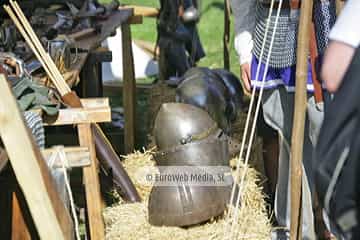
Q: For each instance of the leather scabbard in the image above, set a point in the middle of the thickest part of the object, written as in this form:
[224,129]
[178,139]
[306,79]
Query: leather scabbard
[110,160]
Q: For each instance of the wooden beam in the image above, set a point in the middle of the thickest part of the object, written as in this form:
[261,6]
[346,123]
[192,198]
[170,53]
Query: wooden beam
[76,157]
[129,89]
[95,102]
[92,185]
[143,11]
[50,216]
[71,116]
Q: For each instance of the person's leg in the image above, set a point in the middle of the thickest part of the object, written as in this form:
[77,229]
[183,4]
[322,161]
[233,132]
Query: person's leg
[271,159]
[278,113]
[270,141]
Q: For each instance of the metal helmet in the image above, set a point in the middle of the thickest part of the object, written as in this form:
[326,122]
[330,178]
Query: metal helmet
[177,124]
[204,89]
[187,136]
[186,205]
[235,91]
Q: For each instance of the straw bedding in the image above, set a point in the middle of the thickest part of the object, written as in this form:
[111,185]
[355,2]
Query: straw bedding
[129,221]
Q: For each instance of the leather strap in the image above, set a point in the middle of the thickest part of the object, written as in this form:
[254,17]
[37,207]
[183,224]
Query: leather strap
[313,58]
[72,100]
[294,4]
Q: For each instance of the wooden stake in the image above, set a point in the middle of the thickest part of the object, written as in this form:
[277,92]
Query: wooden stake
[297,140]
[129,89]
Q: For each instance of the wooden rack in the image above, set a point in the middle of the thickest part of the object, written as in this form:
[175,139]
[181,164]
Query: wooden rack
[50,217]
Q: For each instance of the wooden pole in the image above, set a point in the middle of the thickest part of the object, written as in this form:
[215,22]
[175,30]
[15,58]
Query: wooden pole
[226,39]
[297,140]
[129,90]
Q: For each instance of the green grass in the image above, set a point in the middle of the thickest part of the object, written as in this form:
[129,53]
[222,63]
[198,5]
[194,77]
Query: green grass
[211,29]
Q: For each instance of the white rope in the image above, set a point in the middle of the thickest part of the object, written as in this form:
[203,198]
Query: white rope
[59,151]
[231,214]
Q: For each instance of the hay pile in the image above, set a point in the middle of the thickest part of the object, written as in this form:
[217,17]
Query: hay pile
[129,221]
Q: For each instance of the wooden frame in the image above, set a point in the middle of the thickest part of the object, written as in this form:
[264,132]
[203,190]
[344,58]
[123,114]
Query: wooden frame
[76,156]
[51,218]
[94,110]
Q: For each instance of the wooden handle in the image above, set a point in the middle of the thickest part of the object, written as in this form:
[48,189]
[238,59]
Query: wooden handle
[143,11]
[82,34]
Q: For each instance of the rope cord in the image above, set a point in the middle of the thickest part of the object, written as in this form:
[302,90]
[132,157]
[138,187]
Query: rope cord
[230,221]
[59,152]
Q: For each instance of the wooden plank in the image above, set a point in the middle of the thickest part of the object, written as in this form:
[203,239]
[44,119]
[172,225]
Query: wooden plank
[95,102]
[129,90]
[51,218]
[82,34]
[72,116]
[92,185]
[76,156]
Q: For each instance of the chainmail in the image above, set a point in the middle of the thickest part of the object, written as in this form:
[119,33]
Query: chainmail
[284,48]
[34,122]
[324,18]
[283,51]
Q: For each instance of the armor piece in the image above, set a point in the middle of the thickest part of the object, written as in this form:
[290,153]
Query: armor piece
[235,92]
[202,88]
[187,136]
[186,205]
[284,48]
[208,152]
[324,18]
[178,124]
